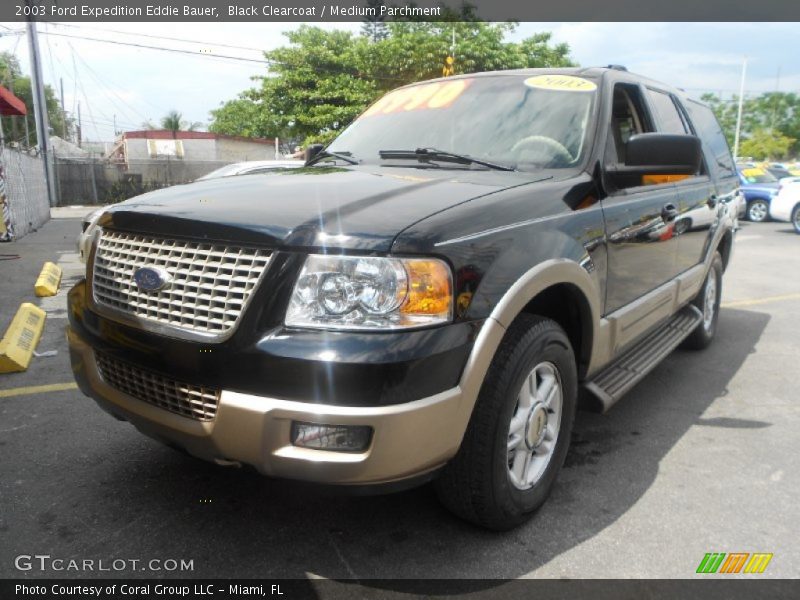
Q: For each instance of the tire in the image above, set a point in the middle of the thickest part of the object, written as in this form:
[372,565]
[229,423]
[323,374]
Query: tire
[796,218]
[707,301]
[757,210]
[478,485]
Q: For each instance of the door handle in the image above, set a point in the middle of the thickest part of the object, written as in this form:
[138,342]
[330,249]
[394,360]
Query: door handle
[669,212]
[712,201]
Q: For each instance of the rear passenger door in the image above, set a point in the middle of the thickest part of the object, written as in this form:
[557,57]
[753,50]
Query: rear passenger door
[719,160]
[698,202]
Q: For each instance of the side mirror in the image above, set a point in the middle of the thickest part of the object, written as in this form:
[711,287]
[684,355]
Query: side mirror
[312,150]
[675,154]
[658,158]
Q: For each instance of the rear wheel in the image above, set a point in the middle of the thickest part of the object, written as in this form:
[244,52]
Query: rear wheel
[519,433]
[796,218]
[707,301]
[757,211]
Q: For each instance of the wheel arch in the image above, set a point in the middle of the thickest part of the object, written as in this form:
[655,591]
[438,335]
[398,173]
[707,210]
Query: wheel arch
[724,247]
[536,290]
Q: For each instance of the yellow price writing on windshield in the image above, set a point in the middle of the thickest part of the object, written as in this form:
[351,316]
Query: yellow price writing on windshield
[419,97]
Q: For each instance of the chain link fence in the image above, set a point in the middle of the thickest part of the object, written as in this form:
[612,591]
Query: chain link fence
[23,190]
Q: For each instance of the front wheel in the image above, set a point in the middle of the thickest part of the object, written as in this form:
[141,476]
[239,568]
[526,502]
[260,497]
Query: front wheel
[707,301]
[796,218]
[519,432]
[757,211]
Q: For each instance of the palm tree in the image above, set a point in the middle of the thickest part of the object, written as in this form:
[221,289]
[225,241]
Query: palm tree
[173,121]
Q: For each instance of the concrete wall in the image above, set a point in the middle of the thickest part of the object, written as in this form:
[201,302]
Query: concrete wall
[238,150]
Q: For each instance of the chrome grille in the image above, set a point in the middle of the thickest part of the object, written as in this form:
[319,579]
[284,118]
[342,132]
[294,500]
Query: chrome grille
[193,401]
[211,282]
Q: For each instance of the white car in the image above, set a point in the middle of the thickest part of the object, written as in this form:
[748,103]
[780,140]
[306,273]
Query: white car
[252,167]
[785,206]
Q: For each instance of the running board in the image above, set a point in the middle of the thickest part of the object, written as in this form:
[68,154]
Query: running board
[614,381]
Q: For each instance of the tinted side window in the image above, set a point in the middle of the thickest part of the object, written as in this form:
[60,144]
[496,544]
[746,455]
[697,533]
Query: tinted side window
[666,113]
[714,142]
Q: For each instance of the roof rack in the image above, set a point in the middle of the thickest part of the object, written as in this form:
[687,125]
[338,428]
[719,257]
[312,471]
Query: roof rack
[618,67]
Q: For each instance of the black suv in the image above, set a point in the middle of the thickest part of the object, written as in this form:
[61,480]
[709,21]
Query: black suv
[429,297]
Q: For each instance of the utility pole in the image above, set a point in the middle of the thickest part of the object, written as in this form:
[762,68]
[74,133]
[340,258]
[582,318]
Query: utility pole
[80,129]
[63,110]
[115,126]
[14,131]
[739,115]
[40,108]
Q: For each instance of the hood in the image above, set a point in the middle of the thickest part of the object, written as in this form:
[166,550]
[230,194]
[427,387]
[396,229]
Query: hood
[761,187]
[358,208]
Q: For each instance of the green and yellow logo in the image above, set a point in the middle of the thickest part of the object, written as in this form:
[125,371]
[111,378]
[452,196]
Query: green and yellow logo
[734,562]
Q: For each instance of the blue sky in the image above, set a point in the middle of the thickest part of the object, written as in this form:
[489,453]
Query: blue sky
[136,84]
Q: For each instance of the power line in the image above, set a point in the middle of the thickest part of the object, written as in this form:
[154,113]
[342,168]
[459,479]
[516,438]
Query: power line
[224,57]
[164,37]
[162,48]
[97,78]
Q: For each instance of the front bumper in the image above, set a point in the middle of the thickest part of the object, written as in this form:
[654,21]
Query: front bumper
[409,439]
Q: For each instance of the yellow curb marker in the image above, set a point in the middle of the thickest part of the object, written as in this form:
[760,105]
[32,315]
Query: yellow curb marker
[17,346]
[48,281]
[757,301]
[37,389]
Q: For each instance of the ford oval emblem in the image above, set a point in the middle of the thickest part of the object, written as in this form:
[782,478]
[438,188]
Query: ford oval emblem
[151,279]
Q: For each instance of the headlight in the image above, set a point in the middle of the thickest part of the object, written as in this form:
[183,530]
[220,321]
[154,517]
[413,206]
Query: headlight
[352,292]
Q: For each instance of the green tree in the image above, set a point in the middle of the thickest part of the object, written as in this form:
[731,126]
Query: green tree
[173,121]
[766,144]
[14,127]
[323,79]
[246,116]
[374,27]
[775,112]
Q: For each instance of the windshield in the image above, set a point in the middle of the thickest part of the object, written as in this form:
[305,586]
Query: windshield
[757,176]
[519,121]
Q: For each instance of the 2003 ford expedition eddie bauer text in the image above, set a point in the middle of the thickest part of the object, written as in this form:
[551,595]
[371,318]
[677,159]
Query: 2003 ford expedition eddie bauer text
[429,297]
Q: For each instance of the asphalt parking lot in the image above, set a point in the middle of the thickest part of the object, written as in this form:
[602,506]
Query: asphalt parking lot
[702,456]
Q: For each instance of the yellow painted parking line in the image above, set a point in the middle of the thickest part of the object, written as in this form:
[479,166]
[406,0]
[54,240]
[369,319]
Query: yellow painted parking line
[757,301]
[38,389]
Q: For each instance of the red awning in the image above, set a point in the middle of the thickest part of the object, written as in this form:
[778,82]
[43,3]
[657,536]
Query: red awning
[10,105]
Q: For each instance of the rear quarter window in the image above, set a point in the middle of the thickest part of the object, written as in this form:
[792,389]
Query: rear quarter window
[715,146]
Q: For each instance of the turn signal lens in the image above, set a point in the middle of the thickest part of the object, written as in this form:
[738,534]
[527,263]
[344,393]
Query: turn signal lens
[430,291]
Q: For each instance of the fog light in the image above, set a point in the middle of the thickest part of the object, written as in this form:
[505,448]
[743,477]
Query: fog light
[338,438]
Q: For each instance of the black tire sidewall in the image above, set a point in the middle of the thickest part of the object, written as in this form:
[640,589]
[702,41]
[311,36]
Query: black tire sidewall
[551,346]
[793,218]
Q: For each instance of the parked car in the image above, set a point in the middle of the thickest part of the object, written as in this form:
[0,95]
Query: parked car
[783,171]
[426,298]
[759,187]
[785,206]
[251,167]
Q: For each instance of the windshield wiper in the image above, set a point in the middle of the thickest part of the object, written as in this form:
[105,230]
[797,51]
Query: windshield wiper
[426,154]
[345,156]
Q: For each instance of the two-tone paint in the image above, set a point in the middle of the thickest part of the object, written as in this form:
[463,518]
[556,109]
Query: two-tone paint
[609,267]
